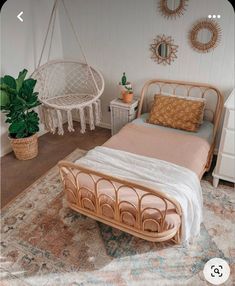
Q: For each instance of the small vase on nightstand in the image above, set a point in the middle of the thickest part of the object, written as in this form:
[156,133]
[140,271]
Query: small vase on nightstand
[127,96]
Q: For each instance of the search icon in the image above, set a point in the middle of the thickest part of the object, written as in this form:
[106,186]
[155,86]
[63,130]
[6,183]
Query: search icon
[216,271]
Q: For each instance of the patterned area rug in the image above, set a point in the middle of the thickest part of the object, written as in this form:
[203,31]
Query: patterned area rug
[43,243]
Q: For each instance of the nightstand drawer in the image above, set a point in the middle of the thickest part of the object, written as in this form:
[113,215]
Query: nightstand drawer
[132,116]
[227,165]
[230,120]
[228,144]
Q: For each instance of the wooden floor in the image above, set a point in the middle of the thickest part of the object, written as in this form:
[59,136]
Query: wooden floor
[17,175]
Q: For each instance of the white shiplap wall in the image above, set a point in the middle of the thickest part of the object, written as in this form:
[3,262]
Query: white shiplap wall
[116,35]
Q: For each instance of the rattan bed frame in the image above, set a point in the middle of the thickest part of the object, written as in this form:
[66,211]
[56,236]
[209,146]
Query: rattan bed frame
[70,173]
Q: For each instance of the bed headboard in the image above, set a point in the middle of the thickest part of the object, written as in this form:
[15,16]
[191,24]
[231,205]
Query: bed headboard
[213,97]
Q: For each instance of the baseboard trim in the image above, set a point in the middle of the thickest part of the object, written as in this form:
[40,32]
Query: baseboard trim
[6,150]
[104,125]
[101,124]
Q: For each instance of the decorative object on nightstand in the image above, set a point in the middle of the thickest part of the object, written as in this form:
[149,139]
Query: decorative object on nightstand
[122,113]
[127,96]
[124,85]
[225,165]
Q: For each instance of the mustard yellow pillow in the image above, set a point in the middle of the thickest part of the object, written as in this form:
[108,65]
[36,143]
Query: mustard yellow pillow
[177,112]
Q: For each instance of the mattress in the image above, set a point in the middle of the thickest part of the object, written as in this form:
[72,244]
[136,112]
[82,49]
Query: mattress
[181,148]
[171,145]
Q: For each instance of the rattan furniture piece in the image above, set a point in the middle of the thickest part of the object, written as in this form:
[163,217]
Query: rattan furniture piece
[95,206]
[172,9]
[122,113]
[205,35]
[67,87]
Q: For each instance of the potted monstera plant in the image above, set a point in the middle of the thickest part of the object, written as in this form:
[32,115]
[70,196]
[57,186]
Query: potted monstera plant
[17,101]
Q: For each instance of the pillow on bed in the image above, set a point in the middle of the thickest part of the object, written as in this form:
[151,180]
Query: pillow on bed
[177,112]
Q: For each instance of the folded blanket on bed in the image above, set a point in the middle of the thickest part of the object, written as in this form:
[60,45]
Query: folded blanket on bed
[178,182]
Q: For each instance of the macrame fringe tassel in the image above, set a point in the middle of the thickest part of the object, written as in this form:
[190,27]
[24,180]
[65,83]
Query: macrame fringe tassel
[47,118]
[50,121]
[53,121]
[91,117]
[60,122]
[70,121]
[52,118]
[41,114]
[97,112]
[82,120]
[44,117]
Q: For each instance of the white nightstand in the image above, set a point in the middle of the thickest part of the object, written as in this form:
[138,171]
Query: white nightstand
[225,165]
[122,113]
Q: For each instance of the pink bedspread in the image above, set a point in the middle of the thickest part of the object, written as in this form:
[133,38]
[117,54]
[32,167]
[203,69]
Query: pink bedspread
[182,149]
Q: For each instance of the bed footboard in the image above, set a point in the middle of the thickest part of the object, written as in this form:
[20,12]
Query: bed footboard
[102,198]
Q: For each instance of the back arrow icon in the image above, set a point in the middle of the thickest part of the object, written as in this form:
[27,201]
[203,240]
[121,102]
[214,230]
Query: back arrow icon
[19,16]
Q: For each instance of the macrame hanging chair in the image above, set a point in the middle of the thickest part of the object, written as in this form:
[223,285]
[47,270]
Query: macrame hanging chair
[67,88]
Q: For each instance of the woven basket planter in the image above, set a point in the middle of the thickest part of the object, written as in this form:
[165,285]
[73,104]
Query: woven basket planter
[25,148]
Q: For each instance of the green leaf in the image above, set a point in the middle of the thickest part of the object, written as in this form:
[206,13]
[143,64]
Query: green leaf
[20,79]
[30,83]
[26,91]
[9,81]
[17,126]
[21,100]
[9,90]
[4,98]
[18,103]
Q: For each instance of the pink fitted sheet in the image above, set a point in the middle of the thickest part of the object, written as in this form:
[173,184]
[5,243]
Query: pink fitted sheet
[181,149]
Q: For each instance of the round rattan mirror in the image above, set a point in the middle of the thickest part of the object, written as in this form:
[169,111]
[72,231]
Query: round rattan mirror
[172,8]
[205,35]
[163,50]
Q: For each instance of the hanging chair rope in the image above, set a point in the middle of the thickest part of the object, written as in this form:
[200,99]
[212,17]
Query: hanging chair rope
[53,12]
[52,32]
[77,38]
[77,93]
[80,45]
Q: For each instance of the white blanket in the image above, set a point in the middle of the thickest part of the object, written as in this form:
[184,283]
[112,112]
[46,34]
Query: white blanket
[178,182]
